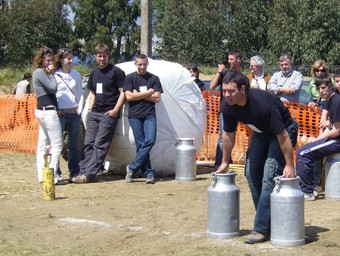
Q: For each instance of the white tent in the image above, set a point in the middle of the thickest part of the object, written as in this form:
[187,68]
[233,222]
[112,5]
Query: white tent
[181,113]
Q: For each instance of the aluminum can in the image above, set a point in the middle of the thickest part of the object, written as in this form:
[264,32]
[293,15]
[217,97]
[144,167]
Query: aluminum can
[185,159]
[223,206]
[287,213]
[332,174]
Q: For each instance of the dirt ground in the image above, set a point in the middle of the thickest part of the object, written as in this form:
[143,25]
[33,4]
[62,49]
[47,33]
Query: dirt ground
[111,217]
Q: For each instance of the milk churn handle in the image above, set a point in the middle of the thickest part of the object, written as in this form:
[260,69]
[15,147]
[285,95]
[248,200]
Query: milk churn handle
[214,179]
[47,160]
[277,180]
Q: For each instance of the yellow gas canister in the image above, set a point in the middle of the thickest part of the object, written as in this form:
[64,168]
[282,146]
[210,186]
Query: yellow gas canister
[48,179]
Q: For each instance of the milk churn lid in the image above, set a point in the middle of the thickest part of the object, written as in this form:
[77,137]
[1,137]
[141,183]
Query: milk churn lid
[186,139]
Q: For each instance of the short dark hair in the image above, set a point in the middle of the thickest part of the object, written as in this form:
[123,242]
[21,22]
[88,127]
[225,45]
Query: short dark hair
[237,54]
[141,56]
[337,73]
[27,76]
[323,79]
[234,76]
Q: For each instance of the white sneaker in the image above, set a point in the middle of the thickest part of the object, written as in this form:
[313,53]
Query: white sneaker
[309,197]
[315,193]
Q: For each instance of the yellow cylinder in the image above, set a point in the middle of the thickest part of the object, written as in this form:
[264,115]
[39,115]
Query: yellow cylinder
[48,179]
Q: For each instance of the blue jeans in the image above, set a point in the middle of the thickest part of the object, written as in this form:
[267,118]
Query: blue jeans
[100,129]
[144,132]
[72,123]
[264,161]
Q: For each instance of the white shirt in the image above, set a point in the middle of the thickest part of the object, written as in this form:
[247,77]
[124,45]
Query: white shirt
[70,90]
[258,80]
[21,87]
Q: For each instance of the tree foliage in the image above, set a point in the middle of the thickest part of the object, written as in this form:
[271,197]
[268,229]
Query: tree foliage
[108,21]
[191,30]
[187,31]
[200,31]
[305,29]
[27,25]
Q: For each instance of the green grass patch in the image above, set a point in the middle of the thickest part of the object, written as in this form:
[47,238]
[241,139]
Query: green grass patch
[83,70]
[11,76]
[207,70]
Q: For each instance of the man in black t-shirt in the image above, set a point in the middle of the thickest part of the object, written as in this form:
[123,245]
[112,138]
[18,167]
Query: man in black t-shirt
[106,100]
[271,148]
[325,144]
[233,63]
[142,90]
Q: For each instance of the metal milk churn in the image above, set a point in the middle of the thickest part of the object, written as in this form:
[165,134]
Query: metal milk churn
[185,159]
[332,173]
[223,206]
[48,179]
[287,213]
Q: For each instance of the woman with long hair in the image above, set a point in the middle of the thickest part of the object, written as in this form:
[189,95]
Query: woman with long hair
[45,87]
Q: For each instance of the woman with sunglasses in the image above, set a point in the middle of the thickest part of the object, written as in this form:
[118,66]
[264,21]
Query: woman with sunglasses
[319,68]
[70,102]
[45,87]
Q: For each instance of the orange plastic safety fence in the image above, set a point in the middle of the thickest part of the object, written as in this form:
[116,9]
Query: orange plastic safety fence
[18,125]
[212,132]
[308,119]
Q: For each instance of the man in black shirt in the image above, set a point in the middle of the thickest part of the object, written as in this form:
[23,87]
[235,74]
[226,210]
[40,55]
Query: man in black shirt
[271,148]
[106,99]
[143,90]
[233,63]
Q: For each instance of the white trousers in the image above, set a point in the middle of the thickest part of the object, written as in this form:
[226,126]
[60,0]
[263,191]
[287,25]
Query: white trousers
[50,141]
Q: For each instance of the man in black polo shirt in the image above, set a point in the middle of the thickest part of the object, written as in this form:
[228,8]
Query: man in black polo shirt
[326,144]
[106,99]
[271,148]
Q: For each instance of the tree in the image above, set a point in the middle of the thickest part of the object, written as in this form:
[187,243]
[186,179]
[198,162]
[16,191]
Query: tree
[191,30]
[247,26]
[30,24]
[202,31]
[108,21]
[306,29]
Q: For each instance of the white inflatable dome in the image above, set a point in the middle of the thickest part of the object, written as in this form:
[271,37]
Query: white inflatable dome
[181,113]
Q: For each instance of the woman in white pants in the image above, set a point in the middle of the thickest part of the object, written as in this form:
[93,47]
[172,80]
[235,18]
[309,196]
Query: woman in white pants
[50,136]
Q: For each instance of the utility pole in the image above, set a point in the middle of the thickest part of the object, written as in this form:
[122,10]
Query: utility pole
[146,27]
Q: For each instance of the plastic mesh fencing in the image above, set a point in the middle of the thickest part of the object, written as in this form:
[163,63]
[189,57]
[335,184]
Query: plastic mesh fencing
[212,132]
[19,126]
[307,117]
